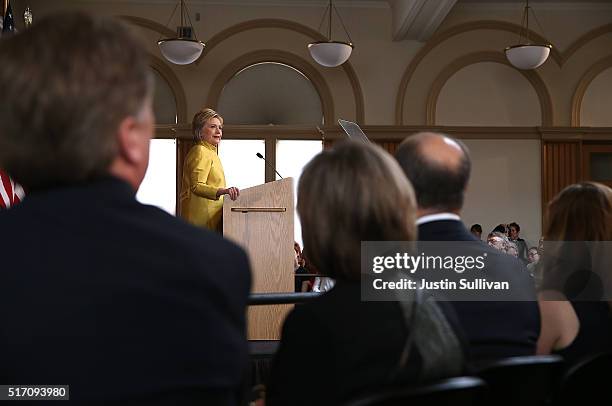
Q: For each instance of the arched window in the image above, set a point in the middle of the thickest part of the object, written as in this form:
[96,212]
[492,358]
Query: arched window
[159,185]
[269,94]
[265,93]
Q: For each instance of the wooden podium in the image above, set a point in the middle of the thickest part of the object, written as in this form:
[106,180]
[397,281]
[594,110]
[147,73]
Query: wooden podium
[261,221]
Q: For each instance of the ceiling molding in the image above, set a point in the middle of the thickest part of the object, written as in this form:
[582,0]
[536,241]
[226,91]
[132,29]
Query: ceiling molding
[297,3]
[418,19]
[149,24]
[397,133]
[537,6]
[576,133]
[254,3]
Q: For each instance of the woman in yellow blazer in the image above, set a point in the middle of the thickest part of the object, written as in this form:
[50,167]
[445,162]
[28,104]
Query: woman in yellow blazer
[203,181]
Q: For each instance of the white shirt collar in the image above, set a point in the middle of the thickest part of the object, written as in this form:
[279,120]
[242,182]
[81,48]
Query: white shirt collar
[437,217]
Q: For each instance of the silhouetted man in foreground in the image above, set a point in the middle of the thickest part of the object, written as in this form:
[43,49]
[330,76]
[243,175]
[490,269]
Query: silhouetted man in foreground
[119,300]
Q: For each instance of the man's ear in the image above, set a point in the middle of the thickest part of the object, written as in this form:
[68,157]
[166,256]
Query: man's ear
[130,141]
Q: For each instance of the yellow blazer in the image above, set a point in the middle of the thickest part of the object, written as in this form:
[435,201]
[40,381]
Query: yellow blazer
[202,177]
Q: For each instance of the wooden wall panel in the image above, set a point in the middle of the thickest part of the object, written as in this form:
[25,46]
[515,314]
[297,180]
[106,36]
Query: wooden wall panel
[390,147]
[561,166]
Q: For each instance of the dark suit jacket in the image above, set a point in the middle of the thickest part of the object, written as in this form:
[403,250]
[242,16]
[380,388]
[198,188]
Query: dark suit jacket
[494,329]
[119,300]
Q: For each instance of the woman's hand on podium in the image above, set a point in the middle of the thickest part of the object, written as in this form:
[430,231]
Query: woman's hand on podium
[233,192]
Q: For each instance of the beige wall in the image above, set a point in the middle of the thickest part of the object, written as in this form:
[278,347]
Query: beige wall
[488,94]
[505,186]
[597,103]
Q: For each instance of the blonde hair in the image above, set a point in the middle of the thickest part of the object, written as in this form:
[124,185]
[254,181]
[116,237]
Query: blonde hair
[351,193]
[200,119]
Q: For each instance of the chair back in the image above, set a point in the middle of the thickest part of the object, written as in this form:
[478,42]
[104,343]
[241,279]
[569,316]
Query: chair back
[525,381]
[459,391]
[586,383]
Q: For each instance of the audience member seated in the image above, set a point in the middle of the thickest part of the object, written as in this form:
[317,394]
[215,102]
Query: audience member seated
[476,230]
[302,283]
[439,169]
[498,241]
[513,234]
[119,300]
[338,346]
[535,266]
[533,256]
[323,284]
[299,261]
[501,228]
[512,249]
[576,316]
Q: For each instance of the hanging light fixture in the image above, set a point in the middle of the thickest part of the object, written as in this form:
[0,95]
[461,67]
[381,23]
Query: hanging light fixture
[526,55]
[27,17]
[183,49]
[331,53]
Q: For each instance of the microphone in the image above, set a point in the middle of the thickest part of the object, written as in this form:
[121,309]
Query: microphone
[321,133]
[264,159]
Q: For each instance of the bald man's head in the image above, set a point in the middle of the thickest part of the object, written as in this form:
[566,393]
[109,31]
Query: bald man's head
[439,169]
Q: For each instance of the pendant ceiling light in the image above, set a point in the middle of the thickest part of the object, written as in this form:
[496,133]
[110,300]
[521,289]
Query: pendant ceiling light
[526,55]
[183,49]
[331,53]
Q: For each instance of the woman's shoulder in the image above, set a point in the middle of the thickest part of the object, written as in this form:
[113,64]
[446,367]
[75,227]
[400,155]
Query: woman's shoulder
[195,149]
[199,147]
[559,318]
[200,151]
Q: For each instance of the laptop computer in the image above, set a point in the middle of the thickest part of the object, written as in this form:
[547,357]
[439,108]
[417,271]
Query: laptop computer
[353,131]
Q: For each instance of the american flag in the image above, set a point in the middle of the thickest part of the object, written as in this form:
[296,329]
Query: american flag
[11,193]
